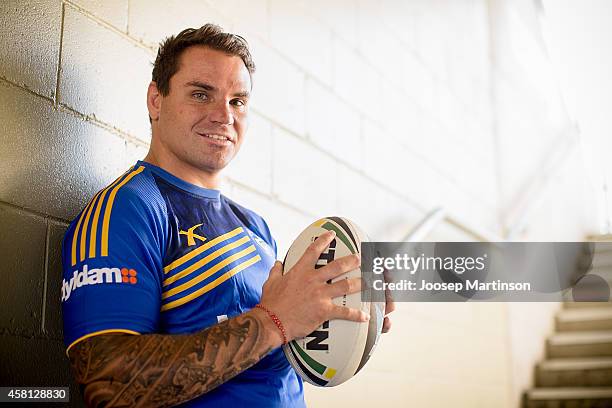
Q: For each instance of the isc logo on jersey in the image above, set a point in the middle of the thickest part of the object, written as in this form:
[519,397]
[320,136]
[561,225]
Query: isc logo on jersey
[97,276]
[263,244]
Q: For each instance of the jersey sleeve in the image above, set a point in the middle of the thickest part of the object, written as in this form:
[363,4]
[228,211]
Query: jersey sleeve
[112,261]
[255,222]
[268,236]
[262,230]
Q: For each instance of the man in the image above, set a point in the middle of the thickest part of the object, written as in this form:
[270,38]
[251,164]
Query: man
[171,293]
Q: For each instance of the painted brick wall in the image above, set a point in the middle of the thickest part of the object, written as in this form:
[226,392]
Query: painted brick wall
[377,111]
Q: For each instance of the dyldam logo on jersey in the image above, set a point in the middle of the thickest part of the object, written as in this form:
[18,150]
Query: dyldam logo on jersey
[97,276]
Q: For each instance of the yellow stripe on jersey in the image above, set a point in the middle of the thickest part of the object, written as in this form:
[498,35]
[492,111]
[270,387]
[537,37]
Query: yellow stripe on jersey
[85,225]
[209,272]
[109,207]
[211,285]
[94,226]
[97,333]
[209,258]
[77,229]
[75,236]
[178,262]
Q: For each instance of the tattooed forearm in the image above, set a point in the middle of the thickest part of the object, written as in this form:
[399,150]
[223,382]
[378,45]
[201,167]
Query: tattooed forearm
[157,370]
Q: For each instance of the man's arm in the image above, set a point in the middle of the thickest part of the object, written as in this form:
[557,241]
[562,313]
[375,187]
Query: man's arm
[156,370]
[161,370]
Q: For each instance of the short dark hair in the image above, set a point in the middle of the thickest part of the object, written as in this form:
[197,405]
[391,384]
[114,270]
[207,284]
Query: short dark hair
[209,35]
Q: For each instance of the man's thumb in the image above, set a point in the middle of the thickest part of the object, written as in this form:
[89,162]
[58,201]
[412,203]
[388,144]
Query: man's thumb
[277,270]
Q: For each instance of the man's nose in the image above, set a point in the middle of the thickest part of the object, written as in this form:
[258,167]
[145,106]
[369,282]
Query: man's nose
[222,113]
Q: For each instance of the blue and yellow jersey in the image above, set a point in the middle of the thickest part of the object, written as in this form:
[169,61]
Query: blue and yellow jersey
[154,254]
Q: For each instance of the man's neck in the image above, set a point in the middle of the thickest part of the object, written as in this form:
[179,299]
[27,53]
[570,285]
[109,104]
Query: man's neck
[184,171]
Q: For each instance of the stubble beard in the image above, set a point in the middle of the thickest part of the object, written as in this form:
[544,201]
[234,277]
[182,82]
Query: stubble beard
[207,161]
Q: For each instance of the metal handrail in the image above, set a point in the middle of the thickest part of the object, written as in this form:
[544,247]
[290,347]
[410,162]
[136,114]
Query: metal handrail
[426,225]
[525,206]
[539,185]
[438,215]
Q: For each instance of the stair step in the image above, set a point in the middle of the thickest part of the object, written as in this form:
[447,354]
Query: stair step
[580,344]
[599,239]
[588,319]
[575,372]
[604,272]
[596,285]
[603,248]
[593,397]
[602,259]
[586,305]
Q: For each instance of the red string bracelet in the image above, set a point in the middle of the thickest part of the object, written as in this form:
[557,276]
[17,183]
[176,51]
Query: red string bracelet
[275,319]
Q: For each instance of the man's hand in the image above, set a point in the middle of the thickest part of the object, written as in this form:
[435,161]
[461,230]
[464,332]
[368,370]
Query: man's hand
[389,306]
[302,298]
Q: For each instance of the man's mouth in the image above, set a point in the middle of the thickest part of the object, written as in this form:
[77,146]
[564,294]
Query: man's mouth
[217,137]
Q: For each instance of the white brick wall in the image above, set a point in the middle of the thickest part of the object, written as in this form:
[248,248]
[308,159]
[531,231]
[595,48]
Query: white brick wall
[303,176]
[332,125]
[248,17]
[300,38]
[278,87]
[353,82]
[151,22]
[378,111]
[254,168]
[114,12]
[92,57]
[356,81]
[339,15]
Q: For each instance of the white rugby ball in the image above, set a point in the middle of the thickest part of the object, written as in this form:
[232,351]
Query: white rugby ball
[338,349]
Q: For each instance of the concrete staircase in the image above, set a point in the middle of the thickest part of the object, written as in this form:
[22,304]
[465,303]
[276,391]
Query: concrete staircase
[578,369]
[577,372]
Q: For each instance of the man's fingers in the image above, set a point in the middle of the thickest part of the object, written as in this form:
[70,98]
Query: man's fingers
[344,287]
[340,266]
[345,313]
[316,248]
[386,325]
[389,304]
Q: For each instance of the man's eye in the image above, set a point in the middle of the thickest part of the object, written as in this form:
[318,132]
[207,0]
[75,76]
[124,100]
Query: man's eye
[200,95]
[238,102]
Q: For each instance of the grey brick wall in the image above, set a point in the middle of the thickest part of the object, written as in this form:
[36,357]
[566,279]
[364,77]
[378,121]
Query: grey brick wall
[31,347]
[55,153]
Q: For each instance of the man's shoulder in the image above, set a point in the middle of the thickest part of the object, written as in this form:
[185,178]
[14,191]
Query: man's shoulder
[134,192]
[127,210]
[137,187]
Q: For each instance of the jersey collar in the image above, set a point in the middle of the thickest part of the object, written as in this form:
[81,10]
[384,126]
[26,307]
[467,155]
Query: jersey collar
[182,184]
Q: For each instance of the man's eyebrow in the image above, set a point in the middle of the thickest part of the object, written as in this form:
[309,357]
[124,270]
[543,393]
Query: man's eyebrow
[202,85]
[208,87]
[242,94]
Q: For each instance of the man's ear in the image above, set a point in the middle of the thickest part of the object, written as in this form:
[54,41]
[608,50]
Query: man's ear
[154,100]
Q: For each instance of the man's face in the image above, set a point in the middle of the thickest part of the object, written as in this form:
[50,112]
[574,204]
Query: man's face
[202,121]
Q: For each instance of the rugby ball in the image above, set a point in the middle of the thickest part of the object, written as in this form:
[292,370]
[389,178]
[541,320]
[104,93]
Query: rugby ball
[338,349]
